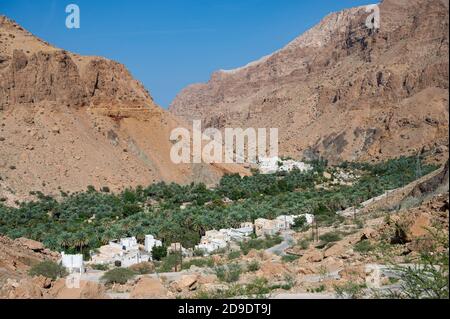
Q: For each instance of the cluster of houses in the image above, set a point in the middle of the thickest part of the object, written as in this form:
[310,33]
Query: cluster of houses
[127,251]
[120,253]
[220,239]
[271,227]
[215,240]
[272,165]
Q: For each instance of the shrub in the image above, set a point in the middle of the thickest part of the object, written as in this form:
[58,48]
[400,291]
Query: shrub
[100,267]
[234,255]
[300,223]
[304,244]
[317,290]
[428,278]
[289,258]
[169,263]
[143,268]
[331,237]
[230,273]
[253,266]
[199,252]
[200,262]
[159,252]
[363,247]
[258,288]
[350,290]
[48,269]
[118,276]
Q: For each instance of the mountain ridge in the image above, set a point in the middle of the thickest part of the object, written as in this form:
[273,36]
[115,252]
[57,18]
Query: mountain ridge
[353,98]
[70,121]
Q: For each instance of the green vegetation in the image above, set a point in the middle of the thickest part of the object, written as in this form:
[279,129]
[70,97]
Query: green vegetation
[143,268]
[428,277]
[229,273]
[199,262]
[363,247]
[350,290]
[253,266]
[118,276]
[159,252]
[304,244]
[169,263]
[80,222]
[100,267]
[330,237]
[317,290]
[289,258]
[48,269]
[234,255]
[259,244]
[259,288]
[300,223]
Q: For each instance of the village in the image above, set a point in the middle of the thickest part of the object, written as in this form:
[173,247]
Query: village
[126,252]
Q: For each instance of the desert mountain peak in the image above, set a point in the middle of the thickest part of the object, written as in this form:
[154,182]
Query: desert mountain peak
[341,90]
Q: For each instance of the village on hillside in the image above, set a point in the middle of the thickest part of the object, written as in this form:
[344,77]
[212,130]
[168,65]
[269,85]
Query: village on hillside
[127,252]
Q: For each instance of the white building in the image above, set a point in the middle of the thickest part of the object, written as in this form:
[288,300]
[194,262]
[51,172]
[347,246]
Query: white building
[126,243]
[126,251]
[272,165]
[150,242]
[219,239]
[72,263]
[267,227]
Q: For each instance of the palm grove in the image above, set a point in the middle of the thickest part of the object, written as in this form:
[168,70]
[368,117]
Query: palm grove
[84,221]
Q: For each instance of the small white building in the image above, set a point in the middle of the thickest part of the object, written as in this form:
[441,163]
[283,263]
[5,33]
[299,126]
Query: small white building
[272,165]
[72,263]
[266,227]
[150,242]
[126,251]
[219,239]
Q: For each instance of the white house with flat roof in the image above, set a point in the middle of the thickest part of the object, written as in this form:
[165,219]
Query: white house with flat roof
[150,242]
[72,263]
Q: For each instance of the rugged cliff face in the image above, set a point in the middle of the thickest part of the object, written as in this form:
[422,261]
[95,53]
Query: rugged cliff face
[69,121]
[341,90]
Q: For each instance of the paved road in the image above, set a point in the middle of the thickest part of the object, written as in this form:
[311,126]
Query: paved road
[285,244]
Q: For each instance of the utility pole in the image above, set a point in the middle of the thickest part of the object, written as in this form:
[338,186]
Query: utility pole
[181,257]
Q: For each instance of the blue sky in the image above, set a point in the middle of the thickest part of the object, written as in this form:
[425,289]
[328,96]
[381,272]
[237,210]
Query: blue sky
[169,44]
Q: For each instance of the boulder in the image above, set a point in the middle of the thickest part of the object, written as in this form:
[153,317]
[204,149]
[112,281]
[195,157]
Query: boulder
[271,270]
[85,290]
[148,288]
[420,226]
[368,233]
[23,289]
[42,282]
[187,282]
[336,250]
[313,255]
[31,244]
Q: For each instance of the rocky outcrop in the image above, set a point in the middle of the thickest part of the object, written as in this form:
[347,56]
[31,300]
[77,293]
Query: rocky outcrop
[86,290]
[341,90]
[149,288]
[18,256]
[441,179]
[69,121]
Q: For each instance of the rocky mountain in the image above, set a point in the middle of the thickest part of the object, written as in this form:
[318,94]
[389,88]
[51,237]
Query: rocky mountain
[342,90]
[68,121]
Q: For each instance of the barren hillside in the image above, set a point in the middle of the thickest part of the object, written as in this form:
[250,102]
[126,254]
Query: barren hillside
[341,90]
[69,121]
